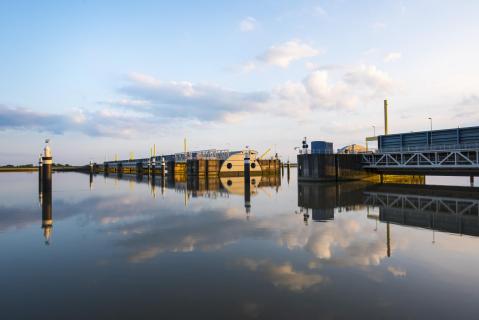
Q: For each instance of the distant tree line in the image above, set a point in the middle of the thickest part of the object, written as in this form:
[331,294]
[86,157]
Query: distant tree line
[31,165]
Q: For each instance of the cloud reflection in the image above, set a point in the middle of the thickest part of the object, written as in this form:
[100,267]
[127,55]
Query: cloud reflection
[282,275]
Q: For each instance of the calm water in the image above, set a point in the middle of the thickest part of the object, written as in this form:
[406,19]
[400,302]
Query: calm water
[123,249]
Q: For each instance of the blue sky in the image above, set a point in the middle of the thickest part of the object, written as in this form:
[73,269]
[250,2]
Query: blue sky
[106,77]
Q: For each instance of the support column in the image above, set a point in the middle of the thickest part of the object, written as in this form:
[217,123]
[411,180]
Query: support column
[471,179]
[247,181]
[288,166]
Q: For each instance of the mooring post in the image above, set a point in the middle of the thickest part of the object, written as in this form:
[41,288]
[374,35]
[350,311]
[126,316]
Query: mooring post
[153,165]
[47,160]
[163,165]
[91,174]
[288,166]
[247,181]
[153,182]
[47,219]
[40,173]
[306,217]
[47,163]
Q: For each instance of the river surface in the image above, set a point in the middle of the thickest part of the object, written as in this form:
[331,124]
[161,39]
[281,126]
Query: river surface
[124,248]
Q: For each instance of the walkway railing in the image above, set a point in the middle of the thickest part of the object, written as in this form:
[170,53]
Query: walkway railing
[459,156]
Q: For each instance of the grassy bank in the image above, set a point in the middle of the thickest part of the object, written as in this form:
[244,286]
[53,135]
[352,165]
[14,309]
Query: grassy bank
[35,169]
[18,169]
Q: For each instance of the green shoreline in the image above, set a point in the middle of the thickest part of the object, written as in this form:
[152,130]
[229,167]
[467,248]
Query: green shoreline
[35,169]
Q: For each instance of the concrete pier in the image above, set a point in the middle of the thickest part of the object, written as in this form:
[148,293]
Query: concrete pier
[343,167]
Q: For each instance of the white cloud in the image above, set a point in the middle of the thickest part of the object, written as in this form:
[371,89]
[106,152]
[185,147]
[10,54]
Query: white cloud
[397,272]
[105,122]
[370,77]
[248,67]
[317,91]
[311,65]
[318,10]
[247,24]
[148,101]
[392,56]
[370,51]
[471,100]
[183,99]
[327,95]
[378,25]
[283,54]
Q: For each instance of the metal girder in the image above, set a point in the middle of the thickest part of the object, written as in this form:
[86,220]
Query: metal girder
[450,205]
[427,159]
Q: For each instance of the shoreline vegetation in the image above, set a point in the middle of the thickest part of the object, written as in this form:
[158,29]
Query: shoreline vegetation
[32,168]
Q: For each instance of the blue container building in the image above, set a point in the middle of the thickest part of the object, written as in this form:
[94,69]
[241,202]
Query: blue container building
[321,147]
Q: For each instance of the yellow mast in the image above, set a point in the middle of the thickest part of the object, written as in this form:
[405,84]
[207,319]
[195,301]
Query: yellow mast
[386,129]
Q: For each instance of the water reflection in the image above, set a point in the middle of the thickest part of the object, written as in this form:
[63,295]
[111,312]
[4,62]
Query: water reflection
[449,209]
[453,210]
[209,187]
[136,239]
[47,217]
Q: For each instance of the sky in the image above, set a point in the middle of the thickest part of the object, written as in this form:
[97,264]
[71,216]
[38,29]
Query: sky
[100,78]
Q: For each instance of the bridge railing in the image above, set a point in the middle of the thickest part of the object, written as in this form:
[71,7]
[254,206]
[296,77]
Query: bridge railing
[431,148]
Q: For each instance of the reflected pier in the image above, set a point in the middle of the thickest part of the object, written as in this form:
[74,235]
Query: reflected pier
[451,209]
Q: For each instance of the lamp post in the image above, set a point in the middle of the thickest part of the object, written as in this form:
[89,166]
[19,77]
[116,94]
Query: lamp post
[374,131]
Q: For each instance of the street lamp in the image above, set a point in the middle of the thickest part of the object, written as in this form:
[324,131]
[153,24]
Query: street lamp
[374,130]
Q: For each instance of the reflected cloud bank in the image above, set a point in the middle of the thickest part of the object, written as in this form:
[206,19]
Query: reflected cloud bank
[282,275]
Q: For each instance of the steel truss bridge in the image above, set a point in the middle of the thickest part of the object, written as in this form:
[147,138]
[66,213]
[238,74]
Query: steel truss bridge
[448,160]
